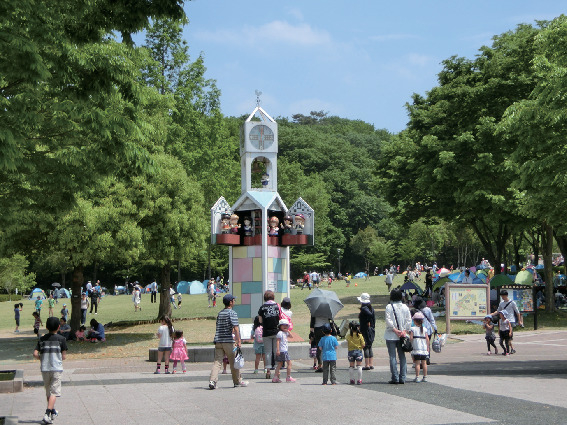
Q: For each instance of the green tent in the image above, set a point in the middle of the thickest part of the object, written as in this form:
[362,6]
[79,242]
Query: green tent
[524,278]
[441,282]
[500,280]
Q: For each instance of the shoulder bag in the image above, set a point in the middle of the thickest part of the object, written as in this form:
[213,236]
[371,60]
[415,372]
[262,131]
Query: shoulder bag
[407,346]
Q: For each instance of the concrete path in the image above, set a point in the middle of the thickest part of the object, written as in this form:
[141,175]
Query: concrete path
[465,387]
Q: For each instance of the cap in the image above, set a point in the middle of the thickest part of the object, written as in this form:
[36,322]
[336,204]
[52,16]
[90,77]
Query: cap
[327,327]
[283,322]
[64,305]
[364,298]
[419,316]
[488,316]
[228,298]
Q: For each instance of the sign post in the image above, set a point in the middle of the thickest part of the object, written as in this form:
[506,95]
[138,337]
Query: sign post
[466,302]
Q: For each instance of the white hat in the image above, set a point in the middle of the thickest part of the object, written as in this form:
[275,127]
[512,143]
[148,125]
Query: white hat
[364,298]
[283,322]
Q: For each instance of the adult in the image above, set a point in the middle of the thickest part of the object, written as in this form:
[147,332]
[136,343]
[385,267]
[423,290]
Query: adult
[153,290]
[367,320]
[89,288]
[225,343]
[84,308]
[511,313]
[136,298]
[94,300]
[428,283]
[428,321]
[269,316]
[306,281]
[398,324]
[467,277]
[389,279]
[96,333]
[210,291]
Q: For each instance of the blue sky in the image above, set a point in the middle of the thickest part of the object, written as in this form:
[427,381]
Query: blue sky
[359,59]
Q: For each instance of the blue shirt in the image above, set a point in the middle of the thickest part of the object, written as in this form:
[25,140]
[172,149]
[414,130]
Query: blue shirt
[327,345]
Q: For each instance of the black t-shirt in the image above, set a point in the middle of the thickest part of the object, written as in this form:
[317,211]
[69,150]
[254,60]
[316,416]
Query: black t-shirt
[270,314]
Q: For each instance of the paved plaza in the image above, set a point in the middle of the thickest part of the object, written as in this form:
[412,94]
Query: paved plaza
[466,387]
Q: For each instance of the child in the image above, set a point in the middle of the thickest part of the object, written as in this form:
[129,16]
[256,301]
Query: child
[257,335]
[65,312]
[17,309]
[164,333]
[286,311]
[179,299]
[282,355]
[38,303]
[179,351]
[51,350]
[215,299]
[37,323]
[64,329]
[313,349]
[505,333]
[420,340]
[328,345]
[80,334]
[51,304]
[356,344]
[490,337]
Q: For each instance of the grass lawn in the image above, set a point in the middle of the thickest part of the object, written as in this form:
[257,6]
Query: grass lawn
[134,336]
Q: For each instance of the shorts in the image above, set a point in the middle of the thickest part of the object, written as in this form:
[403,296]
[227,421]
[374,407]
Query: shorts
[354,355]
[420,356]
[164,349]
[258,348]
[18,321]
[52,383]
[35,331]
[283,357]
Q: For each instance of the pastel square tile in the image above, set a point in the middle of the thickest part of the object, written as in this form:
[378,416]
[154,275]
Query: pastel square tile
[258,251]
[251,251]
[282,286]
[237,291]
[277,265]
[252,288]
[270,265]
[242,310]
[284,269]
[273,277]
[273,251]
[257,269]
[239,252]
[256,301]
[245,299]
[242,269]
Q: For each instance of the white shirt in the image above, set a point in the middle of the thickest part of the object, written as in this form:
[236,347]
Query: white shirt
[468,279]
[404,320]
[509,307]
[164,338]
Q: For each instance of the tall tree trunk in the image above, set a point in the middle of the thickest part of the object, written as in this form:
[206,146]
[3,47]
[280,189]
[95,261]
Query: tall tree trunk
[493,241]
[562,242]
[76,289]
[164,296]
[178,271]
[95,268]
[547,245]
[516,242]
[63,277]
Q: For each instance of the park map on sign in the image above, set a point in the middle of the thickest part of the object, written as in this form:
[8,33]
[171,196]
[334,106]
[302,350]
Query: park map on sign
[468,302]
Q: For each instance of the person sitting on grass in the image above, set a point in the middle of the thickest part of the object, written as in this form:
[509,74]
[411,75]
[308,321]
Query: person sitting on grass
[96,334]
[64,329]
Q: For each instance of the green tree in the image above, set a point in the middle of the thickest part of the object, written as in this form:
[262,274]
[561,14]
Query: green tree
[13,274]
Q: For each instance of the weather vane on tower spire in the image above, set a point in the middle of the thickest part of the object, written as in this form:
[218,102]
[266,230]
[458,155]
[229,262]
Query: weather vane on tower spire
[258,94]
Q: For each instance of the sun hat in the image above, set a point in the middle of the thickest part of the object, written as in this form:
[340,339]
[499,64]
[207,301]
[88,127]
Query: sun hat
[364,298]
[488,316]
[419,316]
[283,322]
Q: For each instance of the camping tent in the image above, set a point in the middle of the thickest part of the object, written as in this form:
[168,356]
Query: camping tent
[197,287]
[500,280]
[63,293]
[439,283]
[360,274]
[410,286]
[458,277]
[524,277]
[183,287]
[37,292]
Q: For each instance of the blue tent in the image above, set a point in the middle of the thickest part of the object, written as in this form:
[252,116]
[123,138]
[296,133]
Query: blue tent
[360,274]
[37,292]
[197,287]
[410,286]
[183,287]
[458,277]
[63,293]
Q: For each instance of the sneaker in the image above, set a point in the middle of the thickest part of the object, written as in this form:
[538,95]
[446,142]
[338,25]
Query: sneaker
[276,380]
[54,414]
[184,371]
[314,367]
[371,367]
[157,372]
[289,379]
[167,372]
[359,382]
[488,354]
[241,384]
[320,369]
[351,382]
[513,351]
[496,351]
[212,385]
[224,372]
[255,371]
[504,353]
[174,371]
[416,379]
[47,419]
[424,379]
[268,374]
[366,368]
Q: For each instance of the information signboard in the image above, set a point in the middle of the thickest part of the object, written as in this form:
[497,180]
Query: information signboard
[522,296]
[466,302]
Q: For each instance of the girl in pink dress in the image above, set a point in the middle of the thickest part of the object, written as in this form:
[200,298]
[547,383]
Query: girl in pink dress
[179,351]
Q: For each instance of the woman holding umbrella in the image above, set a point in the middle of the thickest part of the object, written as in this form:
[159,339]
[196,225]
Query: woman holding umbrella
[367,320]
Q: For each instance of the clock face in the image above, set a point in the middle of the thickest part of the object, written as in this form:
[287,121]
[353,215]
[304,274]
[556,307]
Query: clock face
[261,137]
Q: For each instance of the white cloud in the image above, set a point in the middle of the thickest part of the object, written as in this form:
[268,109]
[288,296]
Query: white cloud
[275,32]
